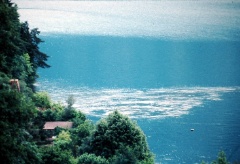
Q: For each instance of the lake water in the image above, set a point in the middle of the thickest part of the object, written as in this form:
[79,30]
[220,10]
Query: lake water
[172,66]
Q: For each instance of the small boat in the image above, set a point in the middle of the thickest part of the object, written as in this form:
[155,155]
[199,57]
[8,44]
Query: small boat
[192,129]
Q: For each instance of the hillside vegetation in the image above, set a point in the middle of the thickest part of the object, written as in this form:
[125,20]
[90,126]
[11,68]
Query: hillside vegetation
[24,112]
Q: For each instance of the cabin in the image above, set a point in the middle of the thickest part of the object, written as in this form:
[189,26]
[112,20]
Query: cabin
[61,124]
[49,127]
[15,84]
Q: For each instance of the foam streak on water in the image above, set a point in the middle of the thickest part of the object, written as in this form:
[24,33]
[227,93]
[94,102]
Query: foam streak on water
[137,103]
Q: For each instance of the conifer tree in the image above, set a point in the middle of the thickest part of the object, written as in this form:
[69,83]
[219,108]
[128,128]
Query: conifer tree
[31,43]
[10,41]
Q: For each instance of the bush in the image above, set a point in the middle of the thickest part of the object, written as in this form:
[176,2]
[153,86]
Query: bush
[222,159]
[91,159]
[80,137]
[42,100]
[55,155]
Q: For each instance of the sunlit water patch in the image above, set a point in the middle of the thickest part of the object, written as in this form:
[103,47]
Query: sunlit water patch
[162,19]
[137,103]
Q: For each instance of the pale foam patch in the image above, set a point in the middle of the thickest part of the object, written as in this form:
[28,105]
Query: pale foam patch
[137,103]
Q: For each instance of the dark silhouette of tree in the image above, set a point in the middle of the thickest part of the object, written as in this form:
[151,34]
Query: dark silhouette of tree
[117,133]
[31,43]
[10,41]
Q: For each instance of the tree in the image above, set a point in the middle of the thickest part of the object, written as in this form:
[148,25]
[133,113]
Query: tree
[10,41]
[17,40]
[16,114]
[64,135]
[124,155]
[70,101]
[80,137]
[31,41]
[50,115]
[71,114]
[63,140]
[55,155]
[42,100]
[222,159]
[116,132]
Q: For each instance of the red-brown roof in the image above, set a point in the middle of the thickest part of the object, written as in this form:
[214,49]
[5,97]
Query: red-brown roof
[62,124]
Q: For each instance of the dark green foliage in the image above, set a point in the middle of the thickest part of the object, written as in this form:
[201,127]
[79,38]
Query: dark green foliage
[79,119]
[16,113]
[10,41]
[63,140]
[124,155]
[91,159]
[19,51]
[50,115]
[42,100]
[16,108]
[4,81]
[117,132]
[80,137]
[59,151]
[82,131]
[70,114]
[37,58]
[222,159]
[37,131]
[55,155]
[31,41]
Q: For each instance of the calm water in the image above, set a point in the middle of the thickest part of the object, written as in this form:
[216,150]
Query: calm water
[142,63]
[170,65]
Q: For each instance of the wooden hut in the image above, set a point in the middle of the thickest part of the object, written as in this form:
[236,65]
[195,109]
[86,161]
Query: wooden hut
[61,124]
[15,84]
[50,127]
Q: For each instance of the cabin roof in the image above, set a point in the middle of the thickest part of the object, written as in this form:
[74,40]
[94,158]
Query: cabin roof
[62,124]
